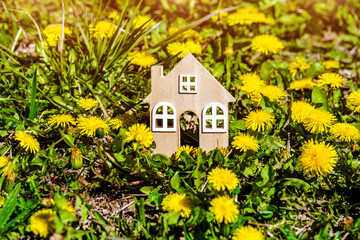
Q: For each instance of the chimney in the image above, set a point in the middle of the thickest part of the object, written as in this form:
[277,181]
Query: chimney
[156,72]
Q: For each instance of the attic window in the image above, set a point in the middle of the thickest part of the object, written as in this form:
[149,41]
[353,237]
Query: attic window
[214,118]
[164,117]
[188,84]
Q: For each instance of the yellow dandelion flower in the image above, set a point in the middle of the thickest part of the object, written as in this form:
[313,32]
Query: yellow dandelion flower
[121,121]
[185,148]
[251,82]
[219,16]
[69,208]
[266,44]
[319,121]
[319,158]
[89,125]
[173,30]
[103,29]
[334,79]
[178,203]
[8,173]
[298,65]
[56,29]
[61,119]
[143,59]
[274,93]
[331,64]
[43,222]
[249,233]
[114,15]
[306,83]
[224,209]
[189,34]
[28,142]
[354,100]
[300,111]
[4,161]
[192,34]
[183,48]
[222,178]
[177,48]
[144,22]
[139,133]
[245,142]
[87,103]
[345,132]
[195,152]
[53,34]
[259,120]
[246,16]
[7,169]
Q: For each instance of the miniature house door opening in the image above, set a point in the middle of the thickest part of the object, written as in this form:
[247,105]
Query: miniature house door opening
[189,129]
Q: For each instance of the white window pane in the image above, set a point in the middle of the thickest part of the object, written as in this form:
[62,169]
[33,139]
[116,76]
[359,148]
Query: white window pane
[159,110]
[208,124]
[219,111]
[170,111]
[170,123]
[159,123]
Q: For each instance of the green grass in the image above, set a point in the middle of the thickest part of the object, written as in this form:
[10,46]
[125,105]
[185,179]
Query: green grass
[119,190]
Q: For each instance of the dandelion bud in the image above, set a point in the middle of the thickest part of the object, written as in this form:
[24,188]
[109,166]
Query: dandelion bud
[348,222]
[10,177]
[9,181]
[229,51]
[71,129]
[224,151]
[100,133]
[48,202]
[76,158]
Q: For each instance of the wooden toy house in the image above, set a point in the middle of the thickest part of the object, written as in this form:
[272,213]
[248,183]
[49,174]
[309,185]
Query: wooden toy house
[187,87]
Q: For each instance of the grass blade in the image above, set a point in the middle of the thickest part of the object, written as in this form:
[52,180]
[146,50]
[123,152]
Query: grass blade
[33,107]
[9,206]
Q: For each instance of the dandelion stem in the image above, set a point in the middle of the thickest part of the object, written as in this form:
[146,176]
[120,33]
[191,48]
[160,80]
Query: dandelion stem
[330,185]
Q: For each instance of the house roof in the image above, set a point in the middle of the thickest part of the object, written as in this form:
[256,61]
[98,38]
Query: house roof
[188,63]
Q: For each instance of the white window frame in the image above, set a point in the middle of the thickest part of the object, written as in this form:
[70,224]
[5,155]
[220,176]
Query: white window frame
[214,117]
[164,116]
[188,84]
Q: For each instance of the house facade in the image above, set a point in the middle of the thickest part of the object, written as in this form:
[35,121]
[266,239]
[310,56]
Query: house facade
[187,87]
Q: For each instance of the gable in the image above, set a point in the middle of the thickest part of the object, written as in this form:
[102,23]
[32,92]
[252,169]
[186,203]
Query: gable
[189,65]
[166,87]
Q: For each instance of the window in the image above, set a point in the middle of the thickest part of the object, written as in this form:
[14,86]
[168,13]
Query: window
[164,117]
[214,118]
[188,84]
